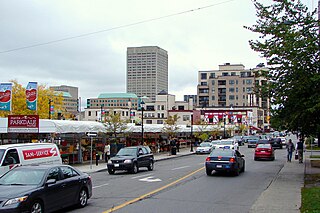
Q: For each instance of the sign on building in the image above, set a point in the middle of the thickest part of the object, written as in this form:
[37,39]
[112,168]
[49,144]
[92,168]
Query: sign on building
[23,123]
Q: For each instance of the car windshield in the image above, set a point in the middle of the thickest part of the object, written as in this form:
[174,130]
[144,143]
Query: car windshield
[226,142]
[215,142]
[253,138]
[22,177]
[237,137]
[127,152]
[221,152]
[205,144]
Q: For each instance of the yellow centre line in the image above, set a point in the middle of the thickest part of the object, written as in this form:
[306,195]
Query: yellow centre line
[151,193]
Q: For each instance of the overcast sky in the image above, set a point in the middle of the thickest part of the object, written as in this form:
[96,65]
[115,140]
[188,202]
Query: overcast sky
[198,40]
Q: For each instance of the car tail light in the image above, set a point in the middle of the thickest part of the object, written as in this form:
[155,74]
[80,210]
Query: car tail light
[232,160]
[208,159]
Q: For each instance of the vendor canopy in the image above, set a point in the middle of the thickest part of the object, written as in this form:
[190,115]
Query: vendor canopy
[61,126]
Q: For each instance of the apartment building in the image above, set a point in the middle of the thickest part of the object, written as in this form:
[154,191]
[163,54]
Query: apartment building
[147,71]
[233,87]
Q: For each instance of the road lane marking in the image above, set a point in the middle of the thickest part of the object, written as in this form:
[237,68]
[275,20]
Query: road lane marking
[150,179]
[182,167]
[106,184]
[151,193]
[141,176]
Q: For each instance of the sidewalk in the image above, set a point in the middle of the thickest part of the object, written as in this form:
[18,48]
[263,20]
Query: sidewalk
[283,195]
[91,168]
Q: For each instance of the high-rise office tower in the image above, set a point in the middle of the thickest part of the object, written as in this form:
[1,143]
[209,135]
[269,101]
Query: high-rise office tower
[147,71]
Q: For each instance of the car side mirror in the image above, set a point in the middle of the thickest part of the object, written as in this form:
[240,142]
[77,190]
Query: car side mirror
[51,181]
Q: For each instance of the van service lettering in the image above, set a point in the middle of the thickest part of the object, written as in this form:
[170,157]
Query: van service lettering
[39,153]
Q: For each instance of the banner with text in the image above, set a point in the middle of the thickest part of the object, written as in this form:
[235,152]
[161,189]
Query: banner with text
[32,95]
[5,96]
[23,123]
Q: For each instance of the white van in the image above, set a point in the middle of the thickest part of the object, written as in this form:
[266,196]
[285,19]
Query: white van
[12,155]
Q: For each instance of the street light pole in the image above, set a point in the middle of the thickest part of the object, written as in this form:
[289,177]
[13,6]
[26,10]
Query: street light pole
[142,134]
[191,135]
[224,126]
[50,101]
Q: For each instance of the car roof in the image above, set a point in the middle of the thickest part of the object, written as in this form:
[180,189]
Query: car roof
[23,145]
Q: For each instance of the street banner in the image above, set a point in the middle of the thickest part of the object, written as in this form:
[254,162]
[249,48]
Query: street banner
[32,95]
[5,96]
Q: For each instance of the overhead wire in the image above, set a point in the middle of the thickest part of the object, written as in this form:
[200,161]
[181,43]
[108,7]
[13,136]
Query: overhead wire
[113,28]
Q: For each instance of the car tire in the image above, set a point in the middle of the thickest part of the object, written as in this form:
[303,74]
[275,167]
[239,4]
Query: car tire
[151,166]
[135,168]
[111,171]
[243,168]
[209,172]
[255,159]
[37,207]
[272,158]
[83,198]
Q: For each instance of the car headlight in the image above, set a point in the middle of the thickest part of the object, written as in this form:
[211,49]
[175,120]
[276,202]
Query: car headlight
[127,161]
[15,200]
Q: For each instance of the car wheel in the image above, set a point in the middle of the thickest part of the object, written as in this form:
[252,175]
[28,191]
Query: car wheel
[36,207]
[135,168]
[255,158]
[111,171]
[83,198]
[151,166]
[272,158]
[209,172]
[243,168]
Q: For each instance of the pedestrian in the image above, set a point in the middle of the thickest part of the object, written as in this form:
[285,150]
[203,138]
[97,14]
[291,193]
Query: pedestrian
[178,145]
[107,152]
[290,150]
[300,147]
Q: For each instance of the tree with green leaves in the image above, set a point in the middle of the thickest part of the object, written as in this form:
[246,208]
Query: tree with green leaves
[170,126]
[289,40]
[114,124]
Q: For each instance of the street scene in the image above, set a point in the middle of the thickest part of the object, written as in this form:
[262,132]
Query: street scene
[160,106]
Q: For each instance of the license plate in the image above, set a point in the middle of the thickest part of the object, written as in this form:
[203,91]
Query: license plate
[263,151]
[116,165]
[219,166]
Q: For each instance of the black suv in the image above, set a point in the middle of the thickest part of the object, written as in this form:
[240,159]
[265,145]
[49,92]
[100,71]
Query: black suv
[131,159]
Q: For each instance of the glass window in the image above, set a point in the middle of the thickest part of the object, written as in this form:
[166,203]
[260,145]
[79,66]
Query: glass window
[231,89]
[68,172]
[231,97]
[249,81]
[54,174]
[203,75]
[11,157]
[231,82]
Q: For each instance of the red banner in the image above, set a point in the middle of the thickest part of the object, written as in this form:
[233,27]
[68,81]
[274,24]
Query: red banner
[39,153]
[23,123]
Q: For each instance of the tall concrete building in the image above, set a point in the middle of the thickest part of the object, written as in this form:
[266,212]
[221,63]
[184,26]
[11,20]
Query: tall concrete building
[147,71]
[70,97]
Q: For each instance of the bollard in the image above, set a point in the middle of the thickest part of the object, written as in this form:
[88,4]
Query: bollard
[97,159]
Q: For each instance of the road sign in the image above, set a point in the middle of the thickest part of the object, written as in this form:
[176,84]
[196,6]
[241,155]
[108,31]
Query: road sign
[91,134]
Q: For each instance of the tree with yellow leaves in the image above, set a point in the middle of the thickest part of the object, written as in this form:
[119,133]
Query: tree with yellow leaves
[19,106]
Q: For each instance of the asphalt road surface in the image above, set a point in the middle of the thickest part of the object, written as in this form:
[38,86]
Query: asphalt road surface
[181,185]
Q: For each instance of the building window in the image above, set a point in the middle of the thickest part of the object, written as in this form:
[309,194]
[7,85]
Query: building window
[249,81]
[89,113]
[222,82]
[231,82]
[185,117]
[212,75]
[148,121]
[159,121]
[225,74]
[204,84]
[249,89]
[212,82]
[231,89]
[180,107]
[212,98]
[231,97]
[203,76]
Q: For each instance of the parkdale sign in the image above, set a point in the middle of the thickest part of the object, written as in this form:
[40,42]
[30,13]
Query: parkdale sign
[23,123]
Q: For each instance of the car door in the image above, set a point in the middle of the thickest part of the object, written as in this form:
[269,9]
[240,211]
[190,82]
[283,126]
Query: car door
[54,193]
[239,159]
[71,184]
[140,158]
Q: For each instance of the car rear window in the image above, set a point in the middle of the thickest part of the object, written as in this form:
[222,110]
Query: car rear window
[264,146]
[221,152]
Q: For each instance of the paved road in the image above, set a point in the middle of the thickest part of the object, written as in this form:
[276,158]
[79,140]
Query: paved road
[180,185]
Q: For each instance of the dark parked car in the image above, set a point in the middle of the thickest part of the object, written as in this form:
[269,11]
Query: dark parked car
[131,159]
[276,143]
[44,188]
[227,160]
[252,141]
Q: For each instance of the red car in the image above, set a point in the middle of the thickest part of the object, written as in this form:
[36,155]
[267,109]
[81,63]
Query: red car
[264,151]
